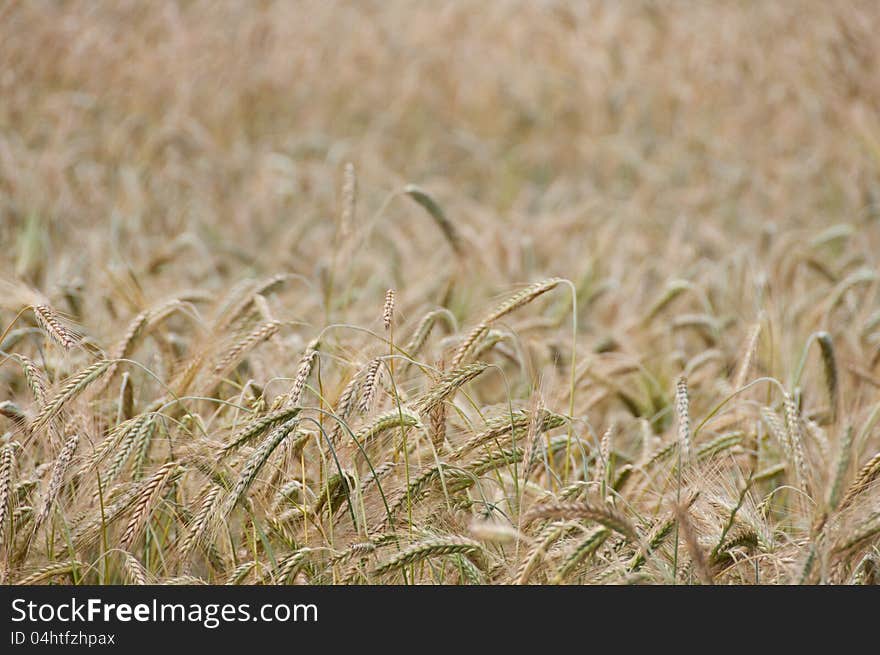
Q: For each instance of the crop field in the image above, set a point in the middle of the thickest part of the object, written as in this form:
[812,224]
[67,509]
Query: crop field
[463,293]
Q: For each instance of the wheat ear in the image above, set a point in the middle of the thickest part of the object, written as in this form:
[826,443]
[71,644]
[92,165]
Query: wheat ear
[682,408]
[604,515]
[866,475]
[7,462]
[50,571]
[368,388]
[253,465]
[51,322]
[262,333]
[62,464]
[145,500]
[447,227]
[388,309]
[516,301]
[304,368]
[434,547]
[72,388]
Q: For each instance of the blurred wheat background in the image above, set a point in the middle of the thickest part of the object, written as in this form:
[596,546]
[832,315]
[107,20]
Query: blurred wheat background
[204,205]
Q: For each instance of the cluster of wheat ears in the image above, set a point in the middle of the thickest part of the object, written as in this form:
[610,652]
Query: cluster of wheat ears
[596,301]
[413,460]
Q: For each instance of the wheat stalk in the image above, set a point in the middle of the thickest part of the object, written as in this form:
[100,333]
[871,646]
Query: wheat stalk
[290,564]
[748,357]
[241,572]
[841,468]
[423,330]
[230,314]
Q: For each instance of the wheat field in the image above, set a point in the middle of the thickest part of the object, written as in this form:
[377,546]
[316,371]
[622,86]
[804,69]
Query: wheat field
[440,293]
